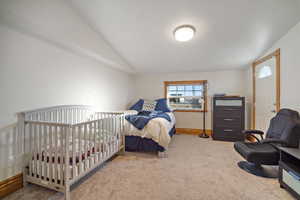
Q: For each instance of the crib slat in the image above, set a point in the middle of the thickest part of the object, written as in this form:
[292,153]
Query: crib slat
[68,134]
[61,116]
[50,163]
[101,136]
[106,136]
[122,130]
[115,133]
[73,132]
[112,133]
[90,145]
[45,149]
[40,152]
[36,150]
[79,116]
[94,143]
[56,140]
[33,156]
[72,116]
[85,147]
[109,134]
[62,153]
[30,148]
[79,149]
[76,115]
[66,115]
[99,139]
[118,132]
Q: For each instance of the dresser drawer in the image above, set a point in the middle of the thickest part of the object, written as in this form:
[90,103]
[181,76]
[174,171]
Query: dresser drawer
[225,111]
[226,121]
[224,132]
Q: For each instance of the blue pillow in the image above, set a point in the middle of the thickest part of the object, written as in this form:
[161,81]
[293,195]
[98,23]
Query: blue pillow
[138,105]
[162,105]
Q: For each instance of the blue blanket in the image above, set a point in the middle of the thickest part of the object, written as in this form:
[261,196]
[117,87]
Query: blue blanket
[140,120]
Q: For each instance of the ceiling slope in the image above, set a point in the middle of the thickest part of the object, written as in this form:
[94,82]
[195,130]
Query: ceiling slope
[230,34]
[58,24]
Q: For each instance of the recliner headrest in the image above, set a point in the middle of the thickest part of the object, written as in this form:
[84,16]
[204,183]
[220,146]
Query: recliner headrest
[289,113]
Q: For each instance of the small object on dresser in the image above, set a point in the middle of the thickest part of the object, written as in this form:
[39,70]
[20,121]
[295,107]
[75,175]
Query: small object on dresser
[228,118]
[220,95]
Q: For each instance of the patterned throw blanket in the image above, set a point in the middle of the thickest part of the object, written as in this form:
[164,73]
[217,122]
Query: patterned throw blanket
[141,119]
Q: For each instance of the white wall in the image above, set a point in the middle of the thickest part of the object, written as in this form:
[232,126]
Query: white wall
[151,86]
[50,56]
[35,74]
[40,66]
[290,70]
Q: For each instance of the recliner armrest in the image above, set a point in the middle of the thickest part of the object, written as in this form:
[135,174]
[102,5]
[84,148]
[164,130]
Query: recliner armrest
[274,141]
[253,131]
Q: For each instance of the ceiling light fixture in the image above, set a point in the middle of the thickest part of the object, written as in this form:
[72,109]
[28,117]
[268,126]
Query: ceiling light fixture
[184,33]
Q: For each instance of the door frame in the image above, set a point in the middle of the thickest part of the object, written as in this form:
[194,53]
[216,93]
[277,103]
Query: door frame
[275,54]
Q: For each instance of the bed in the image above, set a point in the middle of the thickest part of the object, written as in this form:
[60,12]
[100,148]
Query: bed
[156,134]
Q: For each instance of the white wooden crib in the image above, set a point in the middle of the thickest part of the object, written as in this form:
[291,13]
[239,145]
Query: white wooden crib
[65,143]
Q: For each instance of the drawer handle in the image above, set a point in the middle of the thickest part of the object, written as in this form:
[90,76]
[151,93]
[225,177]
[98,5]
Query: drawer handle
[228,109]
[228,130]
[228,119]
[294,176]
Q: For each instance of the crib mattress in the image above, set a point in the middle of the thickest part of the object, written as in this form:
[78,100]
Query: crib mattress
[42,163]
[103,148]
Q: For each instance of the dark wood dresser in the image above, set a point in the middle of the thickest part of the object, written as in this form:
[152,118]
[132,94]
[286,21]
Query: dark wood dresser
[228,118]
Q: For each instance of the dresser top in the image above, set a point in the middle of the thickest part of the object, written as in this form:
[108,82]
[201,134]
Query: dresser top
[292,151]
[229,98]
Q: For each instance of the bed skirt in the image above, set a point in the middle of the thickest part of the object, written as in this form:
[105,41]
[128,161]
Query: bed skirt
[136,143]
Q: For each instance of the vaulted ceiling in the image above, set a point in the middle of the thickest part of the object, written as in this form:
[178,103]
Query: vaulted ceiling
[229,34]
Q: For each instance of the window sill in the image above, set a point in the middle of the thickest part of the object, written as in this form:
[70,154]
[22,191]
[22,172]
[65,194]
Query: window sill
[190,111]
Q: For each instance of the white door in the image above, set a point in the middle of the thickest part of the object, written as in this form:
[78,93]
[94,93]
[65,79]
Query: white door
[265,82]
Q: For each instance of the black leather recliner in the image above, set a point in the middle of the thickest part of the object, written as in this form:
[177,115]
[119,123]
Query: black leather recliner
[284,130]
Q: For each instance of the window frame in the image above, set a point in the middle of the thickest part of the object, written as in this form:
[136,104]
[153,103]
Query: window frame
[193,82]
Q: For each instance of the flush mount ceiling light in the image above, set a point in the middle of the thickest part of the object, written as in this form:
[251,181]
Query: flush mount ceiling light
[184,33]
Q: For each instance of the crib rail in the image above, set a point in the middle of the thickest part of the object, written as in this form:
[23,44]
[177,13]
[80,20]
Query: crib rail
[68,114]
[60,152]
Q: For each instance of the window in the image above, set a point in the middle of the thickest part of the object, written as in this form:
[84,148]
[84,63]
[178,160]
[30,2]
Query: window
[264,72]
[186,96]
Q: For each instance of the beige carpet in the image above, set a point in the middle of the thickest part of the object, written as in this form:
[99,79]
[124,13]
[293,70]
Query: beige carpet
[195,169]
